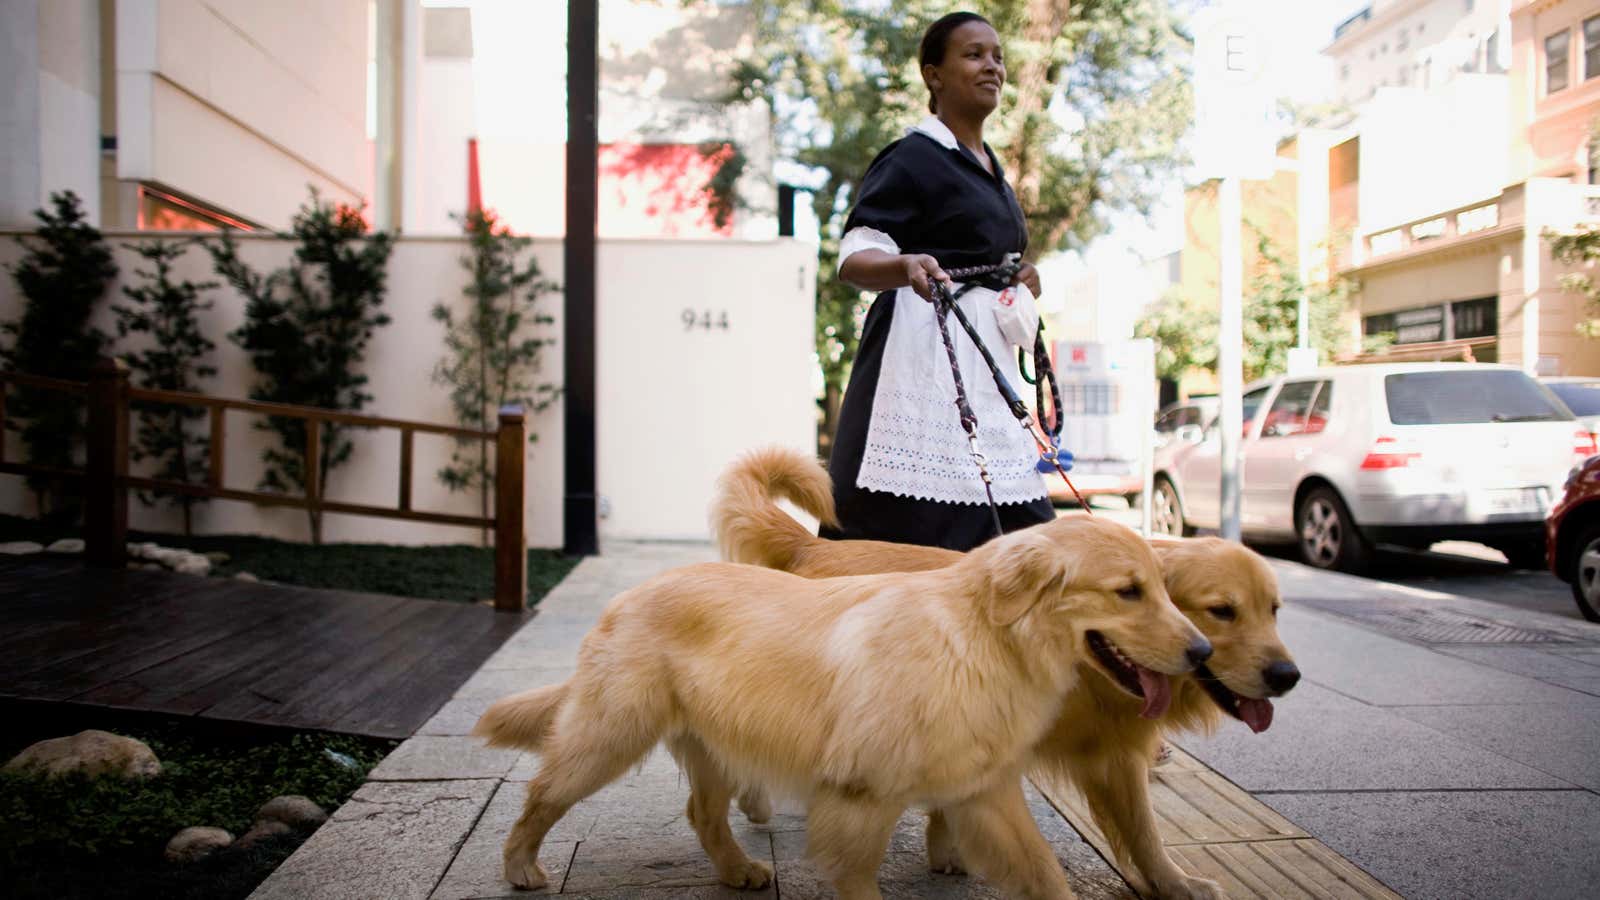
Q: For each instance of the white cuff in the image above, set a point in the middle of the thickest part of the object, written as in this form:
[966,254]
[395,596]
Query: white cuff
[862,238]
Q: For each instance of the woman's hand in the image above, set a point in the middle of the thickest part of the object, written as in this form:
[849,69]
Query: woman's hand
[1029,276]
[921,271]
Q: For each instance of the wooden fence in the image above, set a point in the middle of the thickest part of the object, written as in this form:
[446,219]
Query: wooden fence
[106,480]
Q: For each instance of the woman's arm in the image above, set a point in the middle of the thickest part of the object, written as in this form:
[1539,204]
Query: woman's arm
[878,270]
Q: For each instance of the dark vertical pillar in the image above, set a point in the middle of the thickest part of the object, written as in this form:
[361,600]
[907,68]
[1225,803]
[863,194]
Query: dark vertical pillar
[785,210]
[581,526]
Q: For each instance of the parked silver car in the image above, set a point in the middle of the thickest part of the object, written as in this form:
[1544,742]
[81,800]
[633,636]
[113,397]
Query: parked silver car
[1185,420]
[1408,454]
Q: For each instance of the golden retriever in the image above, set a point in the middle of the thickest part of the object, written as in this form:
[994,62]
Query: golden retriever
[1101,739]
[863,696]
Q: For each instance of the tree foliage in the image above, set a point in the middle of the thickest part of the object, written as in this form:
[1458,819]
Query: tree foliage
[173,359]
[1580,248]
[1185,328]
[493,353]
[63,276]
[1093,108]
[306,331]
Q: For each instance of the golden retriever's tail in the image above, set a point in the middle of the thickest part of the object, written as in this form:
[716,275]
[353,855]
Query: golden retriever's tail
[522,720]
[750,526]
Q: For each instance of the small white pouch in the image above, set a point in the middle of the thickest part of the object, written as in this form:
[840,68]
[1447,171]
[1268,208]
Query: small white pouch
[1016,315]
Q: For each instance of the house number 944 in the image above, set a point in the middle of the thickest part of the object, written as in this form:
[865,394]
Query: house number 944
[704,319]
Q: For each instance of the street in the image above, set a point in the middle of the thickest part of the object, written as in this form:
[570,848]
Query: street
[1452,567]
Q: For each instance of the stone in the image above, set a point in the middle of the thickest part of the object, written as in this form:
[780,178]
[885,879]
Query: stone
[196,842]
[217,557]
[263,829]
[66,546]
[20,548]
[141,550]
[292,810]
[92,752]
[192,564]
[245,576]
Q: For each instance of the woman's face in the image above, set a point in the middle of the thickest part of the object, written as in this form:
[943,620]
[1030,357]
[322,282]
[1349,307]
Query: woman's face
[972,72]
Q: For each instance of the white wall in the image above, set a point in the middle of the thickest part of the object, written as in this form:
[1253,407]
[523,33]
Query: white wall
[208,90]
[678,403]
[675,405]
[1423,153]
[49,105]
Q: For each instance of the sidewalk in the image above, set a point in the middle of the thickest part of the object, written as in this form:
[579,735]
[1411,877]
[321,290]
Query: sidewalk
[1446,745]
[1443,766]
[430,820]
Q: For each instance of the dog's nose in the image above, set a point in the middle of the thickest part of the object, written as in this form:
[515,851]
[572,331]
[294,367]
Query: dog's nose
[1281,676]
[1199,651]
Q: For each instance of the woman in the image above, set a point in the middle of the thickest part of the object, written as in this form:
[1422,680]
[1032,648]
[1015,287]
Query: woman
[935,199]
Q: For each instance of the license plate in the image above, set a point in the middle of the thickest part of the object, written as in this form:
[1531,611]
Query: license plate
[1515,501]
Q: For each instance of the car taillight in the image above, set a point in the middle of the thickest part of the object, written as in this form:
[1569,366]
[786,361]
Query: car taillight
[1388,453]
[1583,445]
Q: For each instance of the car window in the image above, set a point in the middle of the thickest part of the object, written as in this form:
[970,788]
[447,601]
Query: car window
[1317,419]
[1191,416]
[1582,397]
[1170,421]
[1252,402]
[1466,396]
[1290,409]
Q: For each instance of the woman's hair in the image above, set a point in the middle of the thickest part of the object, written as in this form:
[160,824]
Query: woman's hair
[934,41]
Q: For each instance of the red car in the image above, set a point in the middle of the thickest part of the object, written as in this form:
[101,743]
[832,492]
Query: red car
[1572,537]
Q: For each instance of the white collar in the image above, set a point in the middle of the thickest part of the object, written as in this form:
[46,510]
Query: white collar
[933,127]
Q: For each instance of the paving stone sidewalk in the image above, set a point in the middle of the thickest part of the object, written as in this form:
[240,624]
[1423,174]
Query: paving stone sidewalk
[430,820]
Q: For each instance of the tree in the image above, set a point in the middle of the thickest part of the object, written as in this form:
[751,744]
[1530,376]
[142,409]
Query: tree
[1095,103]
[65,273]
[306,331]
[1185,335]
[1185,328]
[1580,248]
[173,360]
[493,353]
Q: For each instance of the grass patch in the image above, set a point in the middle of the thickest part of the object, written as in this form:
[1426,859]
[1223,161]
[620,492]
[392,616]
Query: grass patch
[79,837]
[459,573]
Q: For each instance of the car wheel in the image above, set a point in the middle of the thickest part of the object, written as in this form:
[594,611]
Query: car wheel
[1166,512]
[1584,573]
[1328,536]
[1524,554]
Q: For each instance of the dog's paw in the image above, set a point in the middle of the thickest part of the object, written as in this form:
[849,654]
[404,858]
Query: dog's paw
[1192,889]
[756,806]
[526,874]
[750,875]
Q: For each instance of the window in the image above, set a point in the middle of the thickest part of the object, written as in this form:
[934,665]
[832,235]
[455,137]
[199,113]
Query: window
[1555,61]
[1403,41]
[1250,403]
[1462,397]
[1317,419]
[1476,318]
[1290,409]
[1344,72]
[1582,397]
[1491,53]
[1403,78]
[1591,48]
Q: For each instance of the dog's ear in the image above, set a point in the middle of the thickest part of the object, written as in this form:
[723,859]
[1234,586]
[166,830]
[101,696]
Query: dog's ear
[1023,568]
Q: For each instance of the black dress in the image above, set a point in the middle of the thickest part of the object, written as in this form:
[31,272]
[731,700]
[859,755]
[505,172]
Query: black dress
[934,199]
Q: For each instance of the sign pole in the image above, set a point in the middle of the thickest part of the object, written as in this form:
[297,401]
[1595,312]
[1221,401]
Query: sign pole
[1230,349]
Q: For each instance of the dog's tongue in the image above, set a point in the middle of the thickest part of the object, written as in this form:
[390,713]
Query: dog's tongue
[1256,713]
[1157,693]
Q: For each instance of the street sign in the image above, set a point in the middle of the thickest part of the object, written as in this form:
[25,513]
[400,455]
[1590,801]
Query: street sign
[1235,128]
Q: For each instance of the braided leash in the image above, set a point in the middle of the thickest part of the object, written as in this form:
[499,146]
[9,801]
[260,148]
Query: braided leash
[944,303]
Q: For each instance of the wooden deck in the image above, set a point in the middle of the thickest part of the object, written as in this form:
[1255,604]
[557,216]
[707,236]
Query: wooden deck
[231,650]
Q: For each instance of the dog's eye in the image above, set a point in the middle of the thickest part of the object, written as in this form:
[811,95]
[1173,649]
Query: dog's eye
[1131,592]
[1225,612]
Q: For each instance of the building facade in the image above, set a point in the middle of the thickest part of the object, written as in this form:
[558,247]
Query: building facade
[1468,274]
[1417,43]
